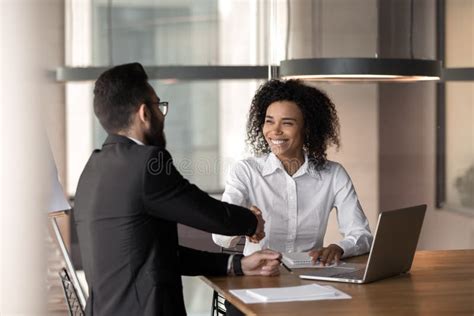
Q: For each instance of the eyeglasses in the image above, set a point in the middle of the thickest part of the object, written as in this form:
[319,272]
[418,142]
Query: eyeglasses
[163,106]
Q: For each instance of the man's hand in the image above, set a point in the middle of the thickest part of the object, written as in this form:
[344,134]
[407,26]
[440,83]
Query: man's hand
[260,231]
[326,255]
[264,262]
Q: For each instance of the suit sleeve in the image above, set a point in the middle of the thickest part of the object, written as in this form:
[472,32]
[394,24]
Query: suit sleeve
[194,262]
[167,195]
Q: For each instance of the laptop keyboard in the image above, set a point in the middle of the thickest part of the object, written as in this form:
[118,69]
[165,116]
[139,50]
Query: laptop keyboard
[354,275]
[341,273]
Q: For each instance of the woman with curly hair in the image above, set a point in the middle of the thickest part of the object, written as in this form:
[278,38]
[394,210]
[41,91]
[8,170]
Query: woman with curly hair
[289,129]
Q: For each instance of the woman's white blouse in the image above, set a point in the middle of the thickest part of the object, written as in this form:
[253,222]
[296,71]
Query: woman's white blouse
[296,208]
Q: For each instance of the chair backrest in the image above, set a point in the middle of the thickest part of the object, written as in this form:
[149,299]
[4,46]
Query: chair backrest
[218,301]
[70,275]
[70,293]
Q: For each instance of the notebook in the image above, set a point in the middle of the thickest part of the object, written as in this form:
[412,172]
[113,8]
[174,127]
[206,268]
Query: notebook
[392,251]
[302,260]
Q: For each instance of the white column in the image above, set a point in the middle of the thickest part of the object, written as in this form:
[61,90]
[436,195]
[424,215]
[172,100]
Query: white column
[25,32]
[79,110]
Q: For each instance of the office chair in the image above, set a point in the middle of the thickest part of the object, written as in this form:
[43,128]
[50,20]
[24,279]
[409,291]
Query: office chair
[71,295]
[218,308]
[73,292]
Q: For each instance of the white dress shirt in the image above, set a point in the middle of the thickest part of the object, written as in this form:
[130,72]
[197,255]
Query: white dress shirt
[296,208]
[136,140]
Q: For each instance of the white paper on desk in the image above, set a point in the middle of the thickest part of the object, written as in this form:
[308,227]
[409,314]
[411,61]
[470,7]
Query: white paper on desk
[296,260]
[310,292]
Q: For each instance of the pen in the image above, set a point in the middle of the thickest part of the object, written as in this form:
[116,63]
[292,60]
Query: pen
[285,266]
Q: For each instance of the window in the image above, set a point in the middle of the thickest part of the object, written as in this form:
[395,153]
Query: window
[179,32]
[456,110]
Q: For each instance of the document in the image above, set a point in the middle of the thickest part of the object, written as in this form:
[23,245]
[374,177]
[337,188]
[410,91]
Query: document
[303,260]
[308,292]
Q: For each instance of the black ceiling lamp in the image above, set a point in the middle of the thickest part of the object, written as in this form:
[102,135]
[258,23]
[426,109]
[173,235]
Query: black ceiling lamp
[363,69]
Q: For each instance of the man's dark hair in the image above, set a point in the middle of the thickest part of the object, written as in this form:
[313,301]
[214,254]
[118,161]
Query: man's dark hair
[118,92]
[321,124]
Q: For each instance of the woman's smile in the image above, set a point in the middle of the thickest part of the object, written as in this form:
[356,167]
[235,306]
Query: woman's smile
[283,130]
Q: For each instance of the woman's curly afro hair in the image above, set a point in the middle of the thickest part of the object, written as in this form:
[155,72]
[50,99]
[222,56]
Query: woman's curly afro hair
[321,124]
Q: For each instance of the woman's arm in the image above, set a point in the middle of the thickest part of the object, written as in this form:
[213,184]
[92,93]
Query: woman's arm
[353,223]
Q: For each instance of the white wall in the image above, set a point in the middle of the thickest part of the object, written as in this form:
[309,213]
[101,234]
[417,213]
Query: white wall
[358,112]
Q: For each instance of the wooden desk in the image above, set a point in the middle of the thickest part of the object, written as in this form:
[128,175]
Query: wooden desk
[440,282]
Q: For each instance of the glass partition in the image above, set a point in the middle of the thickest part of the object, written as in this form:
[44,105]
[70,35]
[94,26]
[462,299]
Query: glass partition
[456,110]
[460,146]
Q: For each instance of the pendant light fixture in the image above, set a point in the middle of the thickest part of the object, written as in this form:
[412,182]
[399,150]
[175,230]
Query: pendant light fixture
[363,69]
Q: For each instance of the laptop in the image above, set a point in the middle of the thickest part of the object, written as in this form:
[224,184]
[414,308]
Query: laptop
[392,251]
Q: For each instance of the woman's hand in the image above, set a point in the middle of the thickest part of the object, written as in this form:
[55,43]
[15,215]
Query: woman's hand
[326,255]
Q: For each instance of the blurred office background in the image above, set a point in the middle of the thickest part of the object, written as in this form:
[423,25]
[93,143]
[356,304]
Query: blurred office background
[402,143]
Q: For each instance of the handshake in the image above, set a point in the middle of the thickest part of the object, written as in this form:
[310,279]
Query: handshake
[260,230]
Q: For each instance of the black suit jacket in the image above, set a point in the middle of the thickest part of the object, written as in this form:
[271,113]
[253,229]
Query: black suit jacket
[128,203]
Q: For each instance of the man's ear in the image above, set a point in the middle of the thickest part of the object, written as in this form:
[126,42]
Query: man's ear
[143,113]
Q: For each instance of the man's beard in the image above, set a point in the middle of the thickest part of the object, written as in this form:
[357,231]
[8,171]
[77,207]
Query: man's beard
[156,135]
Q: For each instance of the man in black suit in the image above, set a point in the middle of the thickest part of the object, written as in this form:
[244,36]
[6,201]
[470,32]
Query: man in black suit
[129,200]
